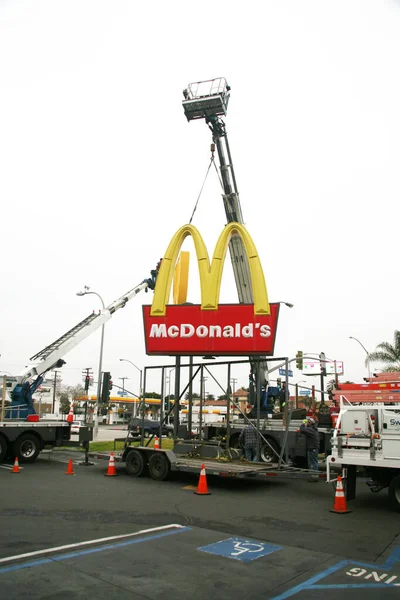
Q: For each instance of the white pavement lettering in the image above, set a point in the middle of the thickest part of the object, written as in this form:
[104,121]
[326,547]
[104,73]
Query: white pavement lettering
[374,575]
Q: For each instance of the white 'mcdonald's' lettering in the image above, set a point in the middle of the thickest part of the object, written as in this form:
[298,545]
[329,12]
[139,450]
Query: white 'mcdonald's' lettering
[187,330]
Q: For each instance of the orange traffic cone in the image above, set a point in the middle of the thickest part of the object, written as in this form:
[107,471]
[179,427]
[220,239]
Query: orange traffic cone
[16,466]
[70,468]
[111,471]
[156,444]
[70,417]
[202,488]
[340,505]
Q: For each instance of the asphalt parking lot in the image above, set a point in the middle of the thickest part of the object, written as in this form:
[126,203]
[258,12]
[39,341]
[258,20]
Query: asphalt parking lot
[121,537]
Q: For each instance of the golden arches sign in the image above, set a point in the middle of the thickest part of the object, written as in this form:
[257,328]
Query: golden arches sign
[210,275]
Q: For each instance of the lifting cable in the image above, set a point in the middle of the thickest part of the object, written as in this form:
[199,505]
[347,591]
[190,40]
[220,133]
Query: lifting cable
[205,179]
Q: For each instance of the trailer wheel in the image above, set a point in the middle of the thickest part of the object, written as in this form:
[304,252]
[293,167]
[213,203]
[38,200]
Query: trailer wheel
[135,464]
[170,434]
[266,453]
[159,466]
[394,492]
[3,447]
[146,433]
[27,448]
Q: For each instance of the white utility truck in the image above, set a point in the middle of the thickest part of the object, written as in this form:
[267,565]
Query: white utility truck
[367,438]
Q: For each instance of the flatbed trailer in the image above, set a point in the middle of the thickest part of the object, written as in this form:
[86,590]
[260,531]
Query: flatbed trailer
[160,463]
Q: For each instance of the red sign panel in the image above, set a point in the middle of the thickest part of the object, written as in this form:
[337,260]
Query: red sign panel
[232,330]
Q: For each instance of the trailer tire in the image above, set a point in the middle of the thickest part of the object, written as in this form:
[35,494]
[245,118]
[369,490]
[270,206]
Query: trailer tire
[159,467]
[394,492]
[135,463]
[170,434]
[27,448]
[3,447]
[146,433]
[266,454]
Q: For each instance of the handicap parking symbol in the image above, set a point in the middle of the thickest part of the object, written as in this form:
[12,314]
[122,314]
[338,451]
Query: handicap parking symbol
[241,549]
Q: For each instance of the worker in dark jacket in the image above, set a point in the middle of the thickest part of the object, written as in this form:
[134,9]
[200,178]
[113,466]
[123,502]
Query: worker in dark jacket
[248,438]
[309,429]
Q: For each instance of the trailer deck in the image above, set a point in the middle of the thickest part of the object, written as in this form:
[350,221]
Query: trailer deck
[219,467]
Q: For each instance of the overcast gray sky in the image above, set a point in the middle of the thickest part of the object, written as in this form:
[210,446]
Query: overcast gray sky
[99,166]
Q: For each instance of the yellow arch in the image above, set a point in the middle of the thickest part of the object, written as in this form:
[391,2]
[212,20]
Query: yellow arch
[210,275]
[181,278]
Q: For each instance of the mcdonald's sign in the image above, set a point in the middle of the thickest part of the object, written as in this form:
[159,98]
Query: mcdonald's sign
[210,328]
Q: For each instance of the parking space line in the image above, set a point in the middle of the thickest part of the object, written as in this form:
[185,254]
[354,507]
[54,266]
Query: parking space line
[175,526]
[9,467]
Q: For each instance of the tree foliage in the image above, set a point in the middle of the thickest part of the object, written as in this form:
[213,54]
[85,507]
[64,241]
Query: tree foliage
[68,394]
[388,354]
[194,396]
[64,401]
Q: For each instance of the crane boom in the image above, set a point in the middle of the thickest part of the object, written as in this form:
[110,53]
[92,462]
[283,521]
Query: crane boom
[51,356]
[209,100]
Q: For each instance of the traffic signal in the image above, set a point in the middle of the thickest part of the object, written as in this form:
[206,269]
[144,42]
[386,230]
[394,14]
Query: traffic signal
[279,382]
[105,391]
[87,382]
[110,383]
[299,360]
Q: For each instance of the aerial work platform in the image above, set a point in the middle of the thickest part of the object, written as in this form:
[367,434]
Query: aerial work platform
[204,99]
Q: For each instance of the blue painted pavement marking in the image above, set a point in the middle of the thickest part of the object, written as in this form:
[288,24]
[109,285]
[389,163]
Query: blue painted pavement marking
[57,558]
[364,571]
[240,549]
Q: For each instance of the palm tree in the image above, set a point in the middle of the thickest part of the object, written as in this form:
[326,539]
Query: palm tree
[388,354]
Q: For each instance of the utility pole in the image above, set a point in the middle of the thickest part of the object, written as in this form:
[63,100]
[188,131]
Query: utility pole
[232,382]
[87,376]
[204,390]
[54,391]
[322,359]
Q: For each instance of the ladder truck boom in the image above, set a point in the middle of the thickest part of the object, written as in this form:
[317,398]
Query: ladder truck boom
[51,356]
[209,100]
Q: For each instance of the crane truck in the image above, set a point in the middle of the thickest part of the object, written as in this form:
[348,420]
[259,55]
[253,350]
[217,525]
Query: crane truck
[209,100]
[22,433]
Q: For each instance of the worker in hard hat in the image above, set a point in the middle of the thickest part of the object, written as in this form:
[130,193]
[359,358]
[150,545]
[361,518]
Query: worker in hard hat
[309,429]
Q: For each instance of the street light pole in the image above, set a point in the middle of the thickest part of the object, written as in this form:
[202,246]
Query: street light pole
[140,383]
[96,417]
[365,350]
